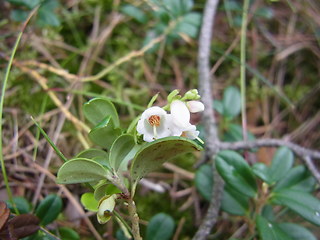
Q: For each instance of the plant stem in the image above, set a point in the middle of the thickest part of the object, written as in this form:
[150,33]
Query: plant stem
[243,66]
[134,219]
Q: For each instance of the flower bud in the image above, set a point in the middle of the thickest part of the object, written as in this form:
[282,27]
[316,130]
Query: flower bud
[191,95]
[173,96]
[195,106]
[106,206]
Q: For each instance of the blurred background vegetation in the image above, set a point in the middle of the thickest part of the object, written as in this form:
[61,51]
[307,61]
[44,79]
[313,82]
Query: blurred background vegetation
[70,39]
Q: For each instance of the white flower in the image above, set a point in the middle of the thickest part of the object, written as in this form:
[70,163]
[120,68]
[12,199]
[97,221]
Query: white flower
[180,114]
[195,106]
[190,132]
[180,120]
[153,124]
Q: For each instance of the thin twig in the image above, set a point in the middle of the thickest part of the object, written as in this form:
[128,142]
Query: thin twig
[208,116]
[297,149]
[47,161]
[126,58]
[312,168]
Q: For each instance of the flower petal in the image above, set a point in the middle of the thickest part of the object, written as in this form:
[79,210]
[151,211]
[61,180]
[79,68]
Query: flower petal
[180,114]
[195,106]
[154,124]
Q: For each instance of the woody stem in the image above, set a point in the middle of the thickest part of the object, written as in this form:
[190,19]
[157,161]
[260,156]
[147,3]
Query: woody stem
[134,219]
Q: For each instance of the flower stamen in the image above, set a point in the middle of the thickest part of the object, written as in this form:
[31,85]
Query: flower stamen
[154,120]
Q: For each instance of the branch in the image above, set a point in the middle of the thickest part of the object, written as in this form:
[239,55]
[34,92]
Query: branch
[205,76]
[313,169]
[297,149]
[208,119]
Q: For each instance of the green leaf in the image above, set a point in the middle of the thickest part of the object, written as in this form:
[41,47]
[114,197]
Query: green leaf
[270,231]
[68,234]
[296,232]
[298,178]
[104,161]
[80,170]
[89,202]
[262,171]
[105,189]
[231,102]
[189,25]
[92,153]
[49,209]
[161,226]
[267,212]
[56,149]
[234,133]
[27,3]
[120,235]
[281,164]
[18,15]
[22,204]
[264,12]
[120,148]
[304,204]
[217,105]
[236,172]
[152,155]
[47,18]
[234,202]
[204,181]
[49,5]
[125,163]
[97,109]
[105,133]
[135,13]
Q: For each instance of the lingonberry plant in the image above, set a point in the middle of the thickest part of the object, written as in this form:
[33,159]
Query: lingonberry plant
[158,135]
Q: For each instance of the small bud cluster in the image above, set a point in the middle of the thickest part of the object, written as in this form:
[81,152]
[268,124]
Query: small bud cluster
[156,123]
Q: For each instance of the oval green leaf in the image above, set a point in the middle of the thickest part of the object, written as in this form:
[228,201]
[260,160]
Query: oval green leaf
[204,181]
[269,230]
[92,153]
[236,172]
[105,189]
[152,155]
[296,232]
[304,204]
[89,202]
[161,226]
[262,171]
[98,109]
[68,234]
[22,204]
[234,133]
[81,170]
[120,149]
[49,209]
[281,164]
[234,202]
[231,102]
[298,178]
[105,133]
[135,13]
